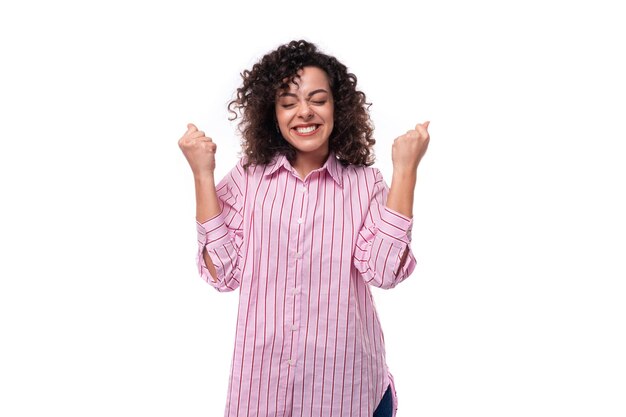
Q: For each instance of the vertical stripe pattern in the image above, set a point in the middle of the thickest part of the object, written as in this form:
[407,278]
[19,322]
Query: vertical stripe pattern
[303,254]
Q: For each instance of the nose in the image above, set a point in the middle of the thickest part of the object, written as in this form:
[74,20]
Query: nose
[305,110]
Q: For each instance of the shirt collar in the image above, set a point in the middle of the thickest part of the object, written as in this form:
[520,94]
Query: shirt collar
[332,165]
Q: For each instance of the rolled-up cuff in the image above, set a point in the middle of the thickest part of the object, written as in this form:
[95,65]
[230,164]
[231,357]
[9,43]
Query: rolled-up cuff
[213,232]
[394,225]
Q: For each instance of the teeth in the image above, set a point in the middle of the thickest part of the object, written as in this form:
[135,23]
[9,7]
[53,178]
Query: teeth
[306,129]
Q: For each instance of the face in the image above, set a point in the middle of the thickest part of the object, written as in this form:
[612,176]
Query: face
[305,113]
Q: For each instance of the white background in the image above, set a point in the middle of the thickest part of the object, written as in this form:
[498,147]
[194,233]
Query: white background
[517,306]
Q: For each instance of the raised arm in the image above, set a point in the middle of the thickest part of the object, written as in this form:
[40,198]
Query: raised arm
[383,255]
[217,212]
[406,153]
[200,153]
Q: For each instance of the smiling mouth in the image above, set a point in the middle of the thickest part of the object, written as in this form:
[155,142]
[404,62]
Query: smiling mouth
[306,130]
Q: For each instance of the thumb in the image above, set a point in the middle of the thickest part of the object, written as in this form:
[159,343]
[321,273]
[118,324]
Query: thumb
[191,128]
[426,124]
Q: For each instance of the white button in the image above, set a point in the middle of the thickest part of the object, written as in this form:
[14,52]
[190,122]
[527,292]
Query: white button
[300,220]
[294,327]
[303,189]
[298,255]
[295,291]
[291,362]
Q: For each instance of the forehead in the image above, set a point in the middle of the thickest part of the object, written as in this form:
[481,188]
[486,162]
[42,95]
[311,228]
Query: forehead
[309,78]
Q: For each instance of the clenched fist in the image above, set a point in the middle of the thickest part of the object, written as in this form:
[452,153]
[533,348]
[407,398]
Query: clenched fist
[408,149]
[199,151]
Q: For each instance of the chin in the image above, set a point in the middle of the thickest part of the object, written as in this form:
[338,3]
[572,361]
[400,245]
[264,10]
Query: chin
[310,148]
[308,145]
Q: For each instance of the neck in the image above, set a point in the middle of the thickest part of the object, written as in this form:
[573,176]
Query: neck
[305,163]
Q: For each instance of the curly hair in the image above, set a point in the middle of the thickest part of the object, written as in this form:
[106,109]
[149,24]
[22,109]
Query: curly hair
[351,138]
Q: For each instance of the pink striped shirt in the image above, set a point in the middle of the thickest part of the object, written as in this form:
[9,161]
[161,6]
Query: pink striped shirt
[303,254]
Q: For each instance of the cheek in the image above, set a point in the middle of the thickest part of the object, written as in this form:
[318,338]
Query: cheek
[330,114]
[280,117]
[330,117]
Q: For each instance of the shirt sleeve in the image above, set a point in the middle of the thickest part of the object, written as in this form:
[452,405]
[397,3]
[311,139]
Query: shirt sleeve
[222,235]
[383,254]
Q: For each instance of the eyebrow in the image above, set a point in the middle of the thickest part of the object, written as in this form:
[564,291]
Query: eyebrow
[319,90]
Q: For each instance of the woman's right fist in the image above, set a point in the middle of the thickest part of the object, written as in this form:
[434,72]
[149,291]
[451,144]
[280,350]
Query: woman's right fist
[199,151]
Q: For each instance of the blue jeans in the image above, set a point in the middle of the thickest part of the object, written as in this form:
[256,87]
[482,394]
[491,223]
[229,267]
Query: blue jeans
[385,408]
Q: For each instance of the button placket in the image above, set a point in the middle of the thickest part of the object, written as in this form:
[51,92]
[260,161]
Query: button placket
[303,188]
[300,235]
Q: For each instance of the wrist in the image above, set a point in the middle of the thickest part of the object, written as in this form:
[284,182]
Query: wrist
[404,174]
[203,176]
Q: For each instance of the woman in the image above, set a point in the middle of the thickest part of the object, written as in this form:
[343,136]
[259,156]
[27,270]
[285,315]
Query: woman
[303,226]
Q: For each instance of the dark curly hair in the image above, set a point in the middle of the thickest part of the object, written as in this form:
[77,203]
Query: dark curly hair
[351,138]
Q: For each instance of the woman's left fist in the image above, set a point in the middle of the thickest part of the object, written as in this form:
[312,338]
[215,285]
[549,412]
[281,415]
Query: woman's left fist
[407,150]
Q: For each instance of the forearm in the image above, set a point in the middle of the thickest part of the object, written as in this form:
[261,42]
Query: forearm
[207,203]
[401,192]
